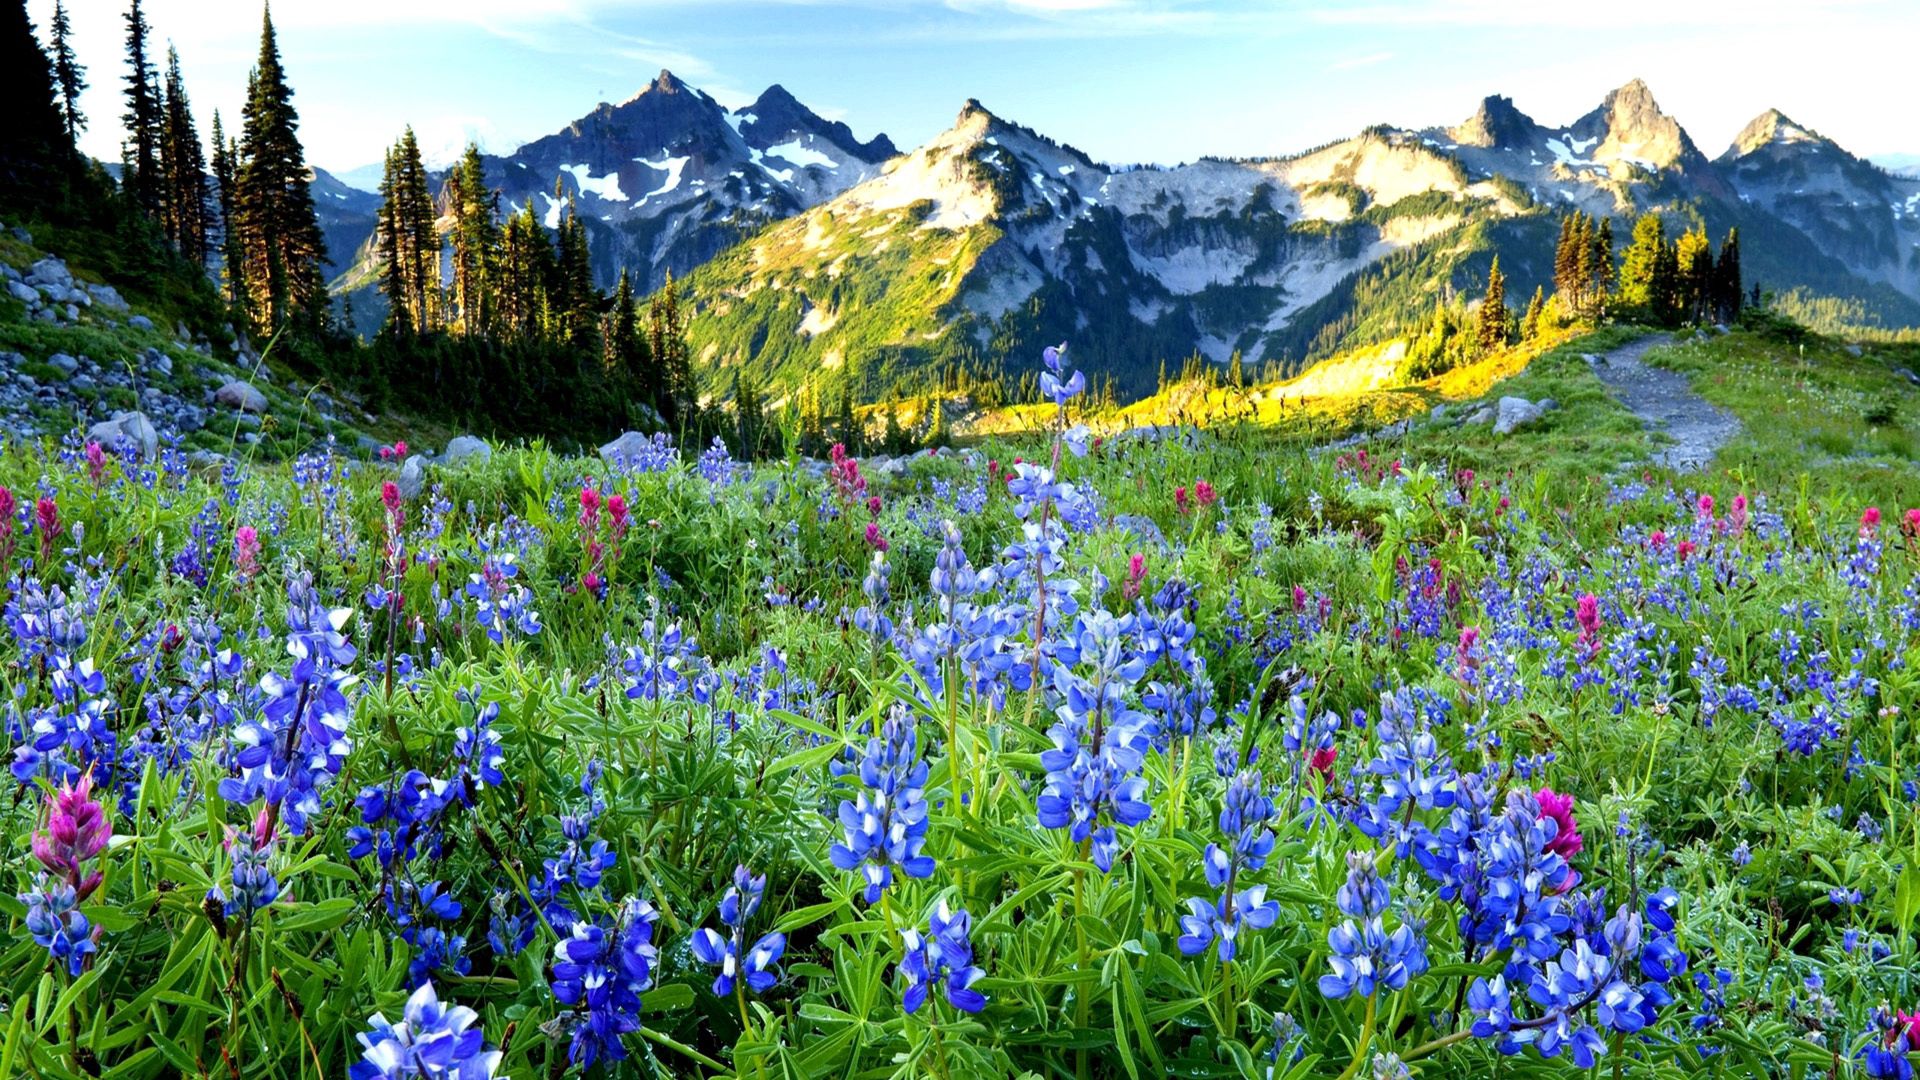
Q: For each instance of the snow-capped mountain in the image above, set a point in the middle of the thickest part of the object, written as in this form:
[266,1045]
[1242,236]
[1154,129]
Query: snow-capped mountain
[666,179]
[992,240]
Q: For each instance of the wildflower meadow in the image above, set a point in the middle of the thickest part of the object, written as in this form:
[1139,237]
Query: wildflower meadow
[1179,753]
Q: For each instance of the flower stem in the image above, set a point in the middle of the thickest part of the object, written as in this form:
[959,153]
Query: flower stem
[1366,1040]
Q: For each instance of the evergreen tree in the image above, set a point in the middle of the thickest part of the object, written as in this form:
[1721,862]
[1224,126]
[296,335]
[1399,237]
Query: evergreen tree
[408,243]
[847,430]
[749,417]
[280,240]
[1727,288]
[1600,283]
[1491,334]
[575,301]
[476,242]
[1693,277]
[1536,311]
[225,159]
[1645,276]
[141,175]
[1570,254]
[525,257]
[937,435]
[667,345]
[35,153]
[183,167]
[68,73]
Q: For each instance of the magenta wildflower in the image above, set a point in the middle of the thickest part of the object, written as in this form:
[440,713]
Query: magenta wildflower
[77,829]
[1586,612]
[1567,842]
[246,550]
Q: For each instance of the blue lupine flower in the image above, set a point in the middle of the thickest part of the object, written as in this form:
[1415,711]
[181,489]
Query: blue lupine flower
[254,885]
[603,971]
[757,967]
[432,1040]
[1363,955]
[885,825]
[56,925]
[943,955]
[1243,816]
[1100,742]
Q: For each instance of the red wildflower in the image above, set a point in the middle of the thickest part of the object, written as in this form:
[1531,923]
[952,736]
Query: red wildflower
[246,550]
[1204,492]
[1705,507]
[1567,842]
[874,540]
[1869,520]
[1586,612]
[1136,575]
[1321,763]
[1180,499]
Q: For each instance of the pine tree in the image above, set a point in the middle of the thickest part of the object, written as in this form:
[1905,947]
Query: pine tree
[1645,284]
[1568,255]
[183,166]
[1727,288]
[667,347]
[281,245]
[1600,285]
[409,245]
[525,255]
[141,176]
[35,152]
[1694,274]
[476,242]
[848,431]
[575,298]
[68,73]
[1536,311]
[1491,334]
[225,159]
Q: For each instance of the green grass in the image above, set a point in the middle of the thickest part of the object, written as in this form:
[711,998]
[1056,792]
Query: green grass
[1850,423]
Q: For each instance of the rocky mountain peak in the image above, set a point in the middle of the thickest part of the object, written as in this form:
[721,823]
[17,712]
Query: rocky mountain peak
[1497,123]
[1772,128]
[1632,129]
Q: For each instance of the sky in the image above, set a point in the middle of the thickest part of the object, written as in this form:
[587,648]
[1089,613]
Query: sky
[1124,80]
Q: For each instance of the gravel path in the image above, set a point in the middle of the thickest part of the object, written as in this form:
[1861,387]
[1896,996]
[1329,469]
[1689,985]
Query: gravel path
[1665,401]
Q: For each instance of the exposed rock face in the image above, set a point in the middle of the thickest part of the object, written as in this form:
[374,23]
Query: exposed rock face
[1496,124]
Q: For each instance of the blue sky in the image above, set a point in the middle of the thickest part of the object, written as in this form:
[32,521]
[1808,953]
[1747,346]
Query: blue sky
[1124,80]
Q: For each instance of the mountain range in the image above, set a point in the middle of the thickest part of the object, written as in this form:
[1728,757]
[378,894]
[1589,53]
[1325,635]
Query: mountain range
[812,258]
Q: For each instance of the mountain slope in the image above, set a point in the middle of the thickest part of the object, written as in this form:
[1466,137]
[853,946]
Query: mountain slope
[991,240]
[664,181]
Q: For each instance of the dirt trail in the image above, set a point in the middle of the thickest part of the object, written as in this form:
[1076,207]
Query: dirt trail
[1665,401]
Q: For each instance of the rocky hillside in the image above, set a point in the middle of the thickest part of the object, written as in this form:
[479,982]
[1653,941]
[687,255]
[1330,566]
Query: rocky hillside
[75,355]
[992,240]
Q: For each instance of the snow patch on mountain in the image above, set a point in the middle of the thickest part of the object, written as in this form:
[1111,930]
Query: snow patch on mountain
[606,187]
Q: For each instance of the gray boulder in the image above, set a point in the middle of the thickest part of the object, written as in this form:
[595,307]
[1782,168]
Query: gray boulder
[132,426]
[241,395]
[1481,415]
[140,322]
[157,362]
[50,271]
[24,293]
[631,446]
[464,447]
[107,297]
[64,364]
[1513,413]
[413,477]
